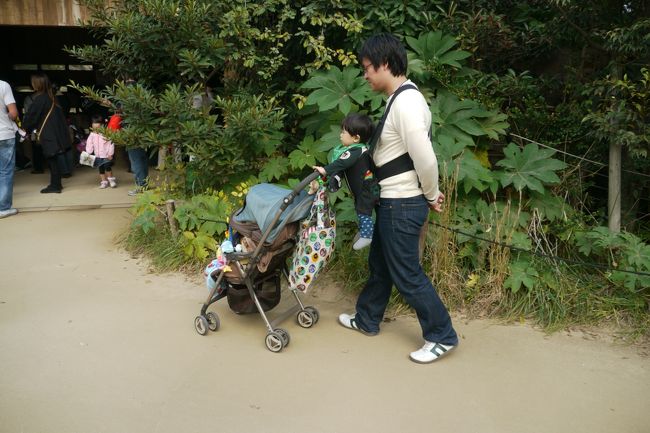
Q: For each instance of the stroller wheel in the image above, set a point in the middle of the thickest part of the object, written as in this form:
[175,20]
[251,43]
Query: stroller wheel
[314,313]
[306,318]
[284,334]
[274,341]
[213,321]
[201,325]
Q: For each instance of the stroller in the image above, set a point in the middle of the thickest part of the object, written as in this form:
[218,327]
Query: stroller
[271,226]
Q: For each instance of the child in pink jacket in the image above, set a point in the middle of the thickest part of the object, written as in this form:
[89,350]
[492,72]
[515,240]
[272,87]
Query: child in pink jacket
[103,150]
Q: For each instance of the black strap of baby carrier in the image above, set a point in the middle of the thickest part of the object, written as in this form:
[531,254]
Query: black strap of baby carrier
[399,165]
[402,163]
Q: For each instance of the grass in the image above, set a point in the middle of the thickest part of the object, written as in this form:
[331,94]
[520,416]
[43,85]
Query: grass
[160,247]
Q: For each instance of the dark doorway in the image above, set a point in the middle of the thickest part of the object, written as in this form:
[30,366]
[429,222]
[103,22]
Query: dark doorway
[41,48]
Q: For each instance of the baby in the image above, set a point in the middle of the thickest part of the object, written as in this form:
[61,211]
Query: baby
[356,130]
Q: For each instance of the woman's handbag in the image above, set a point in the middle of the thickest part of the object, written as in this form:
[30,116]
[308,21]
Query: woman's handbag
[37,137]
[87,159]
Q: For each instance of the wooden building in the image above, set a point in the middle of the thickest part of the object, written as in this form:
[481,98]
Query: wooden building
[36,33]
[59,13]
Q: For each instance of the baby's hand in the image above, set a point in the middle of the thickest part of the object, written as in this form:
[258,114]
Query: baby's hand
[321,170]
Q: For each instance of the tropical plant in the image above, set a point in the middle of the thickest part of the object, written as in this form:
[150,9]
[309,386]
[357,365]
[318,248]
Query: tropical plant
[282,75]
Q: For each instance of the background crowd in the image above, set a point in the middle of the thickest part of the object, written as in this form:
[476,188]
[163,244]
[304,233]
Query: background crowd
[47,130]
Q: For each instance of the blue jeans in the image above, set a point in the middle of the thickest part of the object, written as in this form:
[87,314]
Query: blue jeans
[394,259]
[139,165]
[7,166]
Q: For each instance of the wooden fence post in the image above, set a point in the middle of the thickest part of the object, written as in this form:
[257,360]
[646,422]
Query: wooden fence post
[173,225]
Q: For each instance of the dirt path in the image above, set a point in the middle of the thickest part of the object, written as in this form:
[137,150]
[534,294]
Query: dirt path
[90,341]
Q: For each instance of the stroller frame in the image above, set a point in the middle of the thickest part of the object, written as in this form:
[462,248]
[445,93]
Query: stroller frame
[307,316]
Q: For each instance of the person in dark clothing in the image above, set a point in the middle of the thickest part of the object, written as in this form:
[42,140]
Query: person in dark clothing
[46,116]
[37,151]
[67,161]
[356,130]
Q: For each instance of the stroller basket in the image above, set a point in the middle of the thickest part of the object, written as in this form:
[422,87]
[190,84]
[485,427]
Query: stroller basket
[267,227]
[266,285]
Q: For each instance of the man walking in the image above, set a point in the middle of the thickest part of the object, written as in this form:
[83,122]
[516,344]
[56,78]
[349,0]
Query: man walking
[409,189]
[8,128]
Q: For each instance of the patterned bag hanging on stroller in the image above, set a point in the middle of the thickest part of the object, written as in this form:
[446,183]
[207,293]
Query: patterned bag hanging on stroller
[315,243]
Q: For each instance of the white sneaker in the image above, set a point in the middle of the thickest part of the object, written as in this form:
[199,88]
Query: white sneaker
[112,182]
[361,243]
[430,352]
[8,212]
[350,322]
[103,184]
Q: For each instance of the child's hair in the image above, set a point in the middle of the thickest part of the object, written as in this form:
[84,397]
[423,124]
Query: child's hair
[358,124]
[97,118]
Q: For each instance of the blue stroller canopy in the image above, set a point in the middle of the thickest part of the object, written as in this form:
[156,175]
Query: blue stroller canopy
[262,203]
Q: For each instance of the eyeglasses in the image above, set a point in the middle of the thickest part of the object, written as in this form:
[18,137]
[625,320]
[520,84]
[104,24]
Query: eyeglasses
[366,67]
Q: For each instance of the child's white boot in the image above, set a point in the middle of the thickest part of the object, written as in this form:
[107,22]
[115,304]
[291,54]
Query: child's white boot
[112,181]
[361,243]
[103,184]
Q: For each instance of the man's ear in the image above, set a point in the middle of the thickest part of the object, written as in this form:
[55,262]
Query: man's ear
[357,138]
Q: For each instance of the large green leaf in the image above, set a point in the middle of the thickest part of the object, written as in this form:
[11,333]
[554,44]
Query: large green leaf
[307,154]
[521,274]
[455,158]
[274,168]
[472,173]
[338,88]
[436,49]
[529,168]
[463,120]
[550,206]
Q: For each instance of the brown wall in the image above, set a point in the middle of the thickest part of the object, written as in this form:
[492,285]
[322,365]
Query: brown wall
[41,12]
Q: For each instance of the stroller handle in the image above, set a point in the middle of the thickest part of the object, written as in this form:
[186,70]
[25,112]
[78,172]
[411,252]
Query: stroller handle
[298,188]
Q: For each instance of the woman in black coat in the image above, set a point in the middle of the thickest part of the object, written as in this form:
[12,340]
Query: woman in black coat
[46,116]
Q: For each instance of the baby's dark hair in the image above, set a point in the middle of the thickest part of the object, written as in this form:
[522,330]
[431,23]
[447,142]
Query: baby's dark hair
[97,118]
[358,124]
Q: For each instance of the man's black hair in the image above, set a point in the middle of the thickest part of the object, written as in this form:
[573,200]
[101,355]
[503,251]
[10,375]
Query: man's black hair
[358,124]
[97,118]
[385,49]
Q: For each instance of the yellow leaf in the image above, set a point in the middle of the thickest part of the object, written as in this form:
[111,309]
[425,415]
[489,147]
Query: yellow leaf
[472,281]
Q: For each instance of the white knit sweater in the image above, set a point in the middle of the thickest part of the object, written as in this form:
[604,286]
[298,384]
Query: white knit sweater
[407,130]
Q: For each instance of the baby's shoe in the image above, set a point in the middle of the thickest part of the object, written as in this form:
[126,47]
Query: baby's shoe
[103,184]
[361,243]
[112,182]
